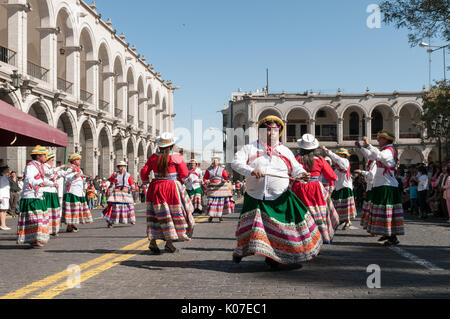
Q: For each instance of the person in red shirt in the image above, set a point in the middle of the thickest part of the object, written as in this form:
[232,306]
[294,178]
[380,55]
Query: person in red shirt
[313,193]
[220,191]
[169,208]
[120,209]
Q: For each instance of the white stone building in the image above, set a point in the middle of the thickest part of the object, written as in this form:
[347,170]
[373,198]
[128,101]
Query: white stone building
[337,120]
[80,76]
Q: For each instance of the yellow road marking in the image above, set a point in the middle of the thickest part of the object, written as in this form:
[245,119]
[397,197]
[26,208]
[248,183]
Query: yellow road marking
[63,274]
[50,280]
[59,289]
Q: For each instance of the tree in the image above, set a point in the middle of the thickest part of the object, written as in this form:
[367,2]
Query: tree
[423,18]
[436,102]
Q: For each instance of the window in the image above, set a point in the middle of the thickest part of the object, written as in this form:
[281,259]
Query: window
[291,130]
[354,124]
[322,113]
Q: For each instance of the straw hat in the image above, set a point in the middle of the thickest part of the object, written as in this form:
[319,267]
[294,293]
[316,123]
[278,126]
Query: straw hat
[387,135]
[165,140]
[74,157]
[342,151]
[39,150]
[50,156]
[308,142]
[272,118]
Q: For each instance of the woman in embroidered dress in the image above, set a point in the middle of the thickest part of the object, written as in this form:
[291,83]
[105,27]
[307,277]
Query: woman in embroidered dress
[169,208]
[313,193]
[33,224]
[273,221]
[343,197]
[52,174]
[194,185]
[120,209]
[219,191]
[76,209]
[385,210]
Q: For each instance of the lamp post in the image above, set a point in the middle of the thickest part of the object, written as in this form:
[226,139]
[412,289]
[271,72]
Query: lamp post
[439,128]
[424,44]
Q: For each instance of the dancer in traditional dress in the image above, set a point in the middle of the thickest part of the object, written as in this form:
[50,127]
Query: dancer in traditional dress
[194,185]
[313,194]
[52,174]
[33,224]
[385,212]
[169,208]
[369,176]
[273,221]
[343,197]
[219,191]
[120,209]
[76,209]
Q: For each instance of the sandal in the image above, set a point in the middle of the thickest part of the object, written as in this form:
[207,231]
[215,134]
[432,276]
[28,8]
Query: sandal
[210,220]
[110,226]
[154,248]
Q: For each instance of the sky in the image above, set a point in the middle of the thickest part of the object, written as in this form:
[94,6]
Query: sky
[210,48]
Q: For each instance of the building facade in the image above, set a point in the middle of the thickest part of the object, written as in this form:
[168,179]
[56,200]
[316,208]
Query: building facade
[80,76]
[336,120]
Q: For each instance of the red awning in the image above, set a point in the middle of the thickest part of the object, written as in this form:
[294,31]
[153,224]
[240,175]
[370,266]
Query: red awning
[26,129]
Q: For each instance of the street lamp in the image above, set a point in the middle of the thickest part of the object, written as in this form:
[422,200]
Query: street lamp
[15,77]
[423,45]
[439,128]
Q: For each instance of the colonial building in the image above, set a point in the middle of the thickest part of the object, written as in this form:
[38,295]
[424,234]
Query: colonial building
[337,120]
[81,76]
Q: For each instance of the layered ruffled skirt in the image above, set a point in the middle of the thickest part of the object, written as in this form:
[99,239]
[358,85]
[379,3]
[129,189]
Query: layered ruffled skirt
[317,200]
[220,201]
[120,209]
[33,225]
[196,198]
[169,211]
[344,202]
[76,210]
[54,212]
[282,230]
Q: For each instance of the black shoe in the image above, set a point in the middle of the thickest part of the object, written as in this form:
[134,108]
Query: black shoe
[237,259]
[154,249]
[272,263]
[394,241]
[383,238]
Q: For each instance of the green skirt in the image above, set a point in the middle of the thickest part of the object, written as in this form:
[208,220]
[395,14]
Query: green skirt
[194,191]
[33,224]
[342,194]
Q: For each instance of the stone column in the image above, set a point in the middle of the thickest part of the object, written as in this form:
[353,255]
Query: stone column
[252,131]
[312,127]
[397,127]
[17,33]
[369,127]
[340,131]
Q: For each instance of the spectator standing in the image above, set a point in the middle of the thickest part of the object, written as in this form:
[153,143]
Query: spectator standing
[90,194]
[423,192]
[14,195]
[4,196]
[447,191]
[413,196]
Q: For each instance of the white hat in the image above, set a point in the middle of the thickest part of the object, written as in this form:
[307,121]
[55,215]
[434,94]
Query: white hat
[165,140]
[308,142]
[122,163]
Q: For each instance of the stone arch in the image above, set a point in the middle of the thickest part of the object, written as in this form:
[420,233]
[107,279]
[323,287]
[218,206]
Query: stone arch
[131,156]
[354,122]
[66,56]
[142,159]
[164,113]
[141,102]
[411,155]
[66,123]
[159,128]
[87,65]
[131,105]
[267,112]
[297,122]
[409,115]
[150,110]
[382,118]
[118,149]
[325,119]
[87,142]
[41,111]
[119,87]
[104,152]
[104,82]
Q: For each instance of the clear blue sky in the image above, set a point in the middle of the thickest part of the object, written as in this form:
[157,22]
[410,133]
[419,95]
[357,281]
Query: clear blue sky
[210,48]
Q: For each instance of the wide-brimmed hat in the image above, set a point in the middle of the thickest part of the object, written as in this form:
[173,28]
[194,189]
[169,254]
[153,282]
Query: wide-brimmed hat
[342,151]
[50,156]
[122,163]
[215,158]
[387,135]
[39,150]
[308,142]
[274,119]
[165,140]
[193,161]
[74,157]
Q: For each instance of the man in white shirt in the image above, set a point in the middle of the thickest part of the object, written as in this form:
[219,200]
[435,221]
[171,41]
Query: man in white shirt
[268,166]
[422,190]
[385,208]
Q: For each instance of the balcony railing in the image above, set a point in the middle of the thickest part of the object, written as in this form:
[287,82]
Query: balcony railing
[64,85]
[118,112]
[37,71]
[7,55]
[85,96]
[327,138]
[141,124]
[103,105]
[410,135]
[352,138]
